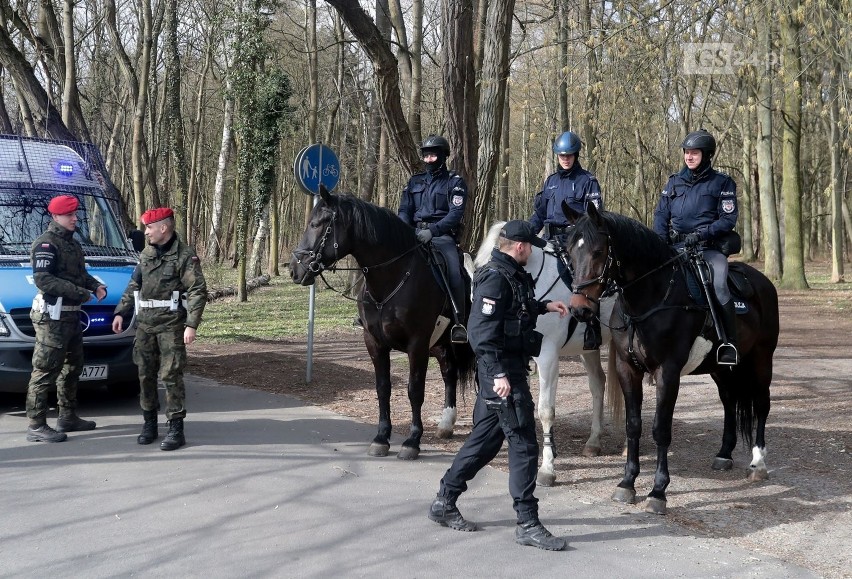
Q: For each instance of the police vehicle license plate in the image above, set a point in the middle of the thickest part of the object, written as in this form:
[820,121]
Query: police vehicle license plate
[95,372]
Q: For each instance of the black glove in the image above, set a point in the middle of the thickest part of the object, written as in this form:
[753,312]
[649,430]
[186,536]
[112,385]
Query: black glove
[692,240]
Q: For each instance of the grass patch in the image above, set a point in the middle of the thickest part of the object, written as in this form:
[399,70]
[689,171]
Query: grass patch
[276,312]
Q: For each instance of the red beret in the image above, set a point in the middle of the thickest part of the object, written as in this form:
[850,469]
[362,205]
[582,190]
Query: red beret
[63,204]
[158,214]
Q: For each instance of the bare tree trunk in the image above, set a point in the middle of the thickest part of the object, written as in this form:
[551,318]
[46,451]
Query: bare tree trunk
[835,148]
[72,116]
[274,230]
[372,148]
[590,110]
[313,95]
[259,244]
[214,237]
[416,70]
[197,128]
[505,160]
[747,191]
[768,213]
[793,276]
[495,74]
[174,120]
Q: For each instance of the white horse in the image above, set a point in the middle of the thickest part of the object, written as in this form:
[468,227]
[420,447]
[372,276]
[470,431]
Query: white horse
[556,343]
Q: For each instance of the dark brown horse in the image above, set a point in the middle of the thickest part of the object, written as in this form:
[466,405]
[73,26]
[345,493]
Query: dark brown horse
[656,324]
[400,304]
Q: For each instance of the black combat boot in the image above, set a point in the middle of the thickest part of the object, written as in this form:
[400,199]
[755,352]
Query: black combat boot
[533,534]
[149,428]
[727,353]
[444,512]
[39,431]
[592,335]
[68,421]
[174,437]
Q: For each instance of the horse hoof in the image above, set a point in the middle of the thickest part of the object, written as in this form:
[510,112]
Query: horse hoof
[546,479]
[655,506]
[591,451]
[758,474]
[626,496]
[720,463]
[378,449]
[408,453]
[444,433]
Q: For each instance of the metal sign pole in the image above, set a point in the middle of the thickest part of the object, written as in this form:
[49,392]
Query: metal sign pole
[312,294]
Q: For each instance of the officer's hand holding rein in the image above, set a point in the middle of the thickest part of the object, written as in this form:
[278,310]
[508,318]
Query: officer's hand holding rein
[423,235]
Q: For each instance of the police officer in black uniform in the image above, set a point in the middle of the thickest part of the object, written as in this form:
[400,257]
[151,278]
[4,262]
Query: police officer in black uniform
[699,206]
[434,202]
[502,319]
[577,187]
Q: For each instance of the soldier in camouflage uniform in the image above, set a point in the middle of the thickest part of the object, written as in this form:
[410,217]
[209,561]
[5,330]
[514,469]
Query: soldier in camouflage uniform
[169,293]
[59,272]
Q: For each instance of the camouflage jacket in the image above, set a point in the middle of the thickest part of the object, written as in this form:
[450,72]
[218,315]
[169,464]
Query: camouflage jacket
[174,266]
[59,268]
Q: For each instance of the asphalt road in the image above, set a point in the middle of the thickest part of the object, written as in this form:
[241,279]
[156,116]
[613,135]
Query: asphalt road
[270,487]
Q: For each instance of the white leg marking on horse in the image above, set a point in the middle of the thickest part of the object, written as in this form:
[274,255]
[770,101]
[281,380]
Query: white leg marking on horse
[448,419]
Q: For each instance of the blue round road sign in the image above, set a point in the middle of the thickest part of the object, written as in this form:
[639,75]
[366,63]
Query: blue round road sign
[314,165]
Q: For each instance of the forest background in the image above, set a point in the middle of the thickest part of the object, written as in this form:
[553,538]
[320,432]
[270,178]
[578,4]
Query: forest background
[203,105]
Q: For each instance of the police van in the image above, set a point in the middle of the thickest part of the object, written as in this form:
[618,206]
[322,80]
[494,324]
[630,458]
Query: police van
[32,172]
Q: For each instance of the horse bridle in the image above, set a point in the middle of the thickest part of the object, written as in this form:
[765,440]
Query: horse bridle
[316,266]
[603,279]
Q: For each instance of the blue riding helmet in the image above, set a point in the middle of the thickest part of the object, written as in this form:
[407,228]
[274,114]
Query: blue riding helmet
[567,143]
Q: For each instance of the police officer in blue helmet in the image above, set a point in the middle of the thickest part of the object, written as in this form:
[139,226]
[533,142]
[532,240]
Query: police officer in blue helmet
[698,207]
[577,187]
[433,202]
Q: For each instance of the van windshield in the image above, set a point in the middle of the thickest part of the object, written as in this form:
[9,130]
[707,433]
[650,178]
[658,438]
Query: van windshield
[24,216]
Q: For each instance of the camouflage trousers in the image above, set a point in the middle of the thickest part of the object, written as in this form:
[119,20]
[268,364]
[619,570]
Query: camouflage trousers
[57,361]
[163,353]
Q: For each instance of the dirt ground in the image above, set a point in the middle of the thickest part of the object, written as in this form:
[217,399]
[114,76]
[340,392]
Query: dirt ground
[802,514]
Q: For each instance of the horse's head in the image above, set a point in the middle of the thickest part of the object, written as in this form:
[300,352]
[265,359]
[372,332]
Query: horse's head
[590,250]
[320,244]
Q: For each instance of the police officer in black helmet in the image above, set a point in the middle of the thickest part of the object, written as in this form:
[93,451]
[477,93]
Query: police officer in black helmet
[433,202]
[502,322]
[699,206]
[577,187]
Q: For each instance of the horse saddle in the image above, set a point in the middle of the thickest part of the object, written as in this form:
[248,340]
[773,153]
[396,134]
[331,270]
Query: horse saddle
[738,283]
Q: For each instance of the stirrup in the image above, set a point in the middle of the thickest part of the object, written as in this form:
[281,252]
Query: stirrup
[458,334]
[727,355]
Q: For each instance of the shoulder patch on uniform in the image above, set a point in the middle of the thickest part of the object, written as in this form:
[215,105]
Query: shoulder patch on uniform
[729,193]
[728,205]
[488,306]
[458,200]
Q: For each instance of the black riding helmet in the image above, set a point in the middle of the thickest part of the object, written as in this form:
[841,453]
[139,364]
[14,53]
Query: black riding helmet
[702,140]
[439,146]
[567,143]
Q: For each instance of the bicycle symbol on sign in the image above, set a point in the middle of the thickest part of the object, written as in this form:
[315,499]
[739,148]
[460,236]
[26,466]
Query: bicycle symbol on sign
[330,170]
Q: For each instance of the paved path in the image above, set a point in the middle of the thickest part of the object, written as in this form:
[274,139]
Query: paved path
[269,487]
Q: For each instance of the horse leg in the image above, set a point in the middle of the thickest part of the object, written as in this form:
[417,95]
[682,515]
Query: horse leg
[597,386]
[763,377]
[724,460]
[381,364]
[548,376]
[631,387]
[667,390]
[450,374]
[418,361]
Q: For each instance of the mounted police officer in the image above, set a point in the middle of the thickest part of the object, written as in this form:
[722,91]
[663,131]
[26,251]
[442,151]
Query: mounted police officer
[433,202]
[577,187]
[502,322]
[699,206]
[169,293]
[59,273]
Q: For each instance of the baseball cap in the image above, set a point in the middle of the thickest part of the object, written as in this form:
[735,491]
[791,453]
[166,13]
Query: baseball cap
[520,230]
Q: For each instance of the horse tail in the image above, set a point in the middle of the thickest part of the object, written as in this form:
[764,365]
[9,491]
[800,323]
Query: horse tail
[465,364]
[745,414]
[614,395]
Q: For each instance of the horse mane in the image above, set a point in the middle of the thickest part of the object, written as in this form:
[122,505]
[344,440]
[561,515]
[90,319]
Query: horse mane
[483,254]
[633,244]
[375,225]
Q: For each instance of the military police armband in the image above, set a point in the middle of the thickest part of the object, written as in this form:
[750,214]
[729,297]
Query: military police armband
[44,258]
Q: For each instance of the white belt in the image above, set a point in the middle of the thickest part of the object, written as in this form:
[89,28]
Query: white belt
[155,303]
[64,309]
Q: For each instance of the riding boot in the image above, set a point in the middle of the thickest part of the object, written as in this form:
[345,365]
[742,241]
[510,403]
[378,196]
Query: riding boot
[39,431]
[533,534]
[592,336]
[68,421]
[149,428]
[727,353]
[174,438]
[444,512]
